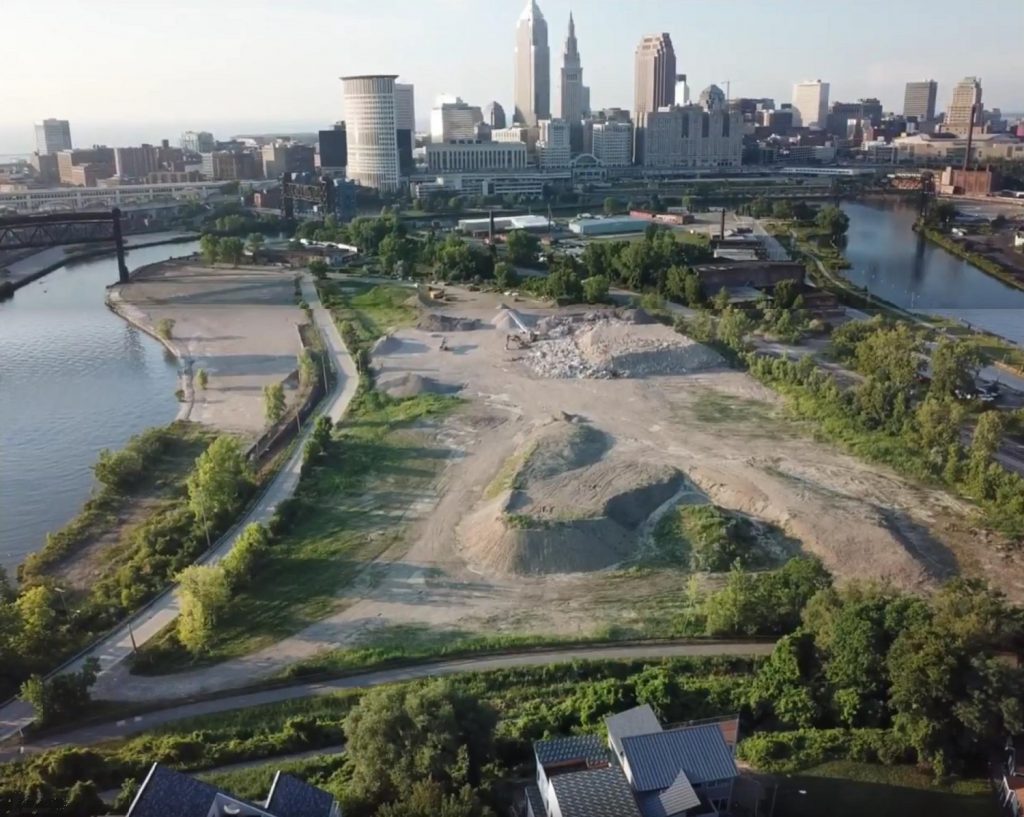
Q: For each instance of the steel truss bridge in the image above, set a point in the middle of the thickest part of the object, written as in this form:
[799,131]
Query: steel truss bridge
[55,229]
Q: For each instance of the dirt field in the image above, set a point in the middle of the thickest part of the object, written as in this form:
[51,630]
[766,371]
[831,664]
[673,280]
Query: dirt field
[237,324]
[552,483]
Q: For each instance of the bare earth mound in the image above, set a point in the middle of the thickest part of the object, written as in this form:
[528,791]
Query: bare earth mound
[411,385]
[433,322]
[563,506]
[614,348]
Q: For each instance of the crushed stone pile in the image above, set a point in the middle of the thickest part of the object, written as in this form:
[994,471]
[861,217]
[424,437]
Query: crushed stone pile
[506,320]
[607,348]
[411,385]
[433,322]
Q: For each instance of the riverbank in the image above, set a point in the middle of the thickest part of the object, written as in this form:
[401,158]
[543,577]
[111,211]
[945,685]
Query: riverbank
[987,265]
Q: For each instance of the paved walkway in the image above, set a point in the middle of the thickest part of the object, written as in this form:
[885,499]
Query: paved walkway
[144,625]
[533,658]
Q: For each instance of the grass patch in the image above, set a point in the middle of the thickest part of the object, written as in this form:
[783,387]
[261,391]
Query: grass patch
[373,310]
[509,478]
[758,418]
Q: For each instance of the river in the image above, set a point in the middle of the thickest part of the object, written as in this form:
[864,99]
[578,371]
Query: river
[894,263]
[74,379]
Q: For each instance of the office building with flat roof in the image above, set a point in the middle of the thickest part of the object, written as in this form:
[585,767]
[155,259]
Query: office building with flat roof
[965,111]
[810,99]
[53,136]
[919,100]
[405,106]
[372,133]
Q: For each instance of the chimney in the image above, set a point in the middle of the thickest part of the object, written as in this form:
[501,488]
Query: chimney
[721,232]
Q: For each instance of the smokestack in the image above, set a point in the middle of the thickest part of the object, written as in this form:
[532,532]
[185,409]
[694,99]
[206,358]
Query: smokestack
[721,232]
[970,137]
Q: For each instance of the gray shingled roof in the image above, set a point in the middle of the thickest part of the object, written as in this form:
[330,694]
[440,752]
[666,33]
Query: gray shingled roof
[536,801]
[167,793]
[698,751]
[595,793]
[588,748]
[640,720]
[291,797]
[676,799]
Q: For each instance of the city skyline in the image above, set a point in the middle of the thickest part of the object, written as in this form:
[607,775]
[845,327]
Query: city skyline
[473,57]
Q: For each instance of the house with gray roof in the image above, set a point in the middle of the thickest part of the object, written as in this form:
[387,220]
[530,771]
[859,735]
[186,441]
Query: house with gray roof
[167,793]
[643,771]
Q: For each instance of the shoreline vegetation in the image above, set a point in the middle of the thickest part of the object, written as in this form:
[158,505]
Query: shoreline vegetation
[976,260]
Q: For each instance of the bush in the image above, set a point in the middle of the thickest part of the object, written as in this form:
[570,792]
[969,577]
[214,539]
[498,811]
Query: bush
[788,752]
[62,696]
[165,328]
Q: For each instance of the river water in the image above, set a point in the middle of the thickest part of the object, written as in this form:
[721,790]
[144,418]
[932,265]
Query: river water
[895,264]
[74,378]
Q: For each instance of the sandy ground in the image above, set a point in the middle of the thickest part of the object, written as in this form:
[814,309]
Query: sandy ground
[719,430]
[237,324]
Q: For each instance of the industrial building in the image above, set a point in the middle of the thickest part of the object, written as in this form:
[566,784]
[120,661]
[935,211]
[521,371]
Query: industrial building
[617,225]
[503,224]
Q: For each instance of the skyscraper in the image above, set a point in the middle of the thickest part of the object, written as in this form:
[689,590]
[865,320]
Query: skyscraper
[452,119]
[919,100]
[370,128]
[405,107]
[494,115]
[964,107]
[655,76]
[811,100]
[533,67]
[53,135]
[575,95]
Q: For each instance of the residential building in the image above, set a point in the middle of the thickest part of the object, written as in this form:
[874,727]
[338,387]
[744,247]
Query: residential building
[333,148]
[532,67]
[451,119]
[965,111]
[136,162]
[284,156]
[53,136]
[47,171]
[810,99]
[405,107]
[372,135]
[554,144]
[494,115]
[197,141]
[231,165]
[471,155]
[164,792]
[654,76]
[919,100]
[612,143]
[693,136]
[644,771]
[99,158]
[575,100]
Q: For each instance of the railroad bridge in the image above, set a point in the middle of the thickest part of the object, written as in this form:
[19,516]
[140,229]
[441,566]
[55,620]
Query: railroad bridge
[55,229]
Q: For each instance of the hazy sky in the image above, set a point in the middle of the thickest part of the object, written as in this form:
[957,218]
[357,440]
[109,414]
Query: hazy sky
[127,70]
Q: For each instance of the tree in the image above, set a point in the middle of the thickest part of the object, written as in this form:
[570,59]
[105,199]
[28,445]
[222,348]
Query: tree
[988,436]
[231,250]
[937,422]
[563,280]
[204,592]
[733,328]
[455,260]
[954,366]
[783,210]
[785,293]
[254,243]
[941,214]
[612,205]
[428,799]
[318,268]
[832,220]
[309,372]
[786,685]
[209,248]
[273,402]
[522,248]
[165,328]
[202,378]
[219,483]
[84,800]
[36,609]
[505,276]
[721,300]
[63,695]
[891,355]
[245,555]
[398,736]
[595,289]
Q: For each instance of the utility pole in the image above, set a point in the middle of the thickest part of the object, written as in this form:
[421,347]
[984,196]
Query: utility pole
[728,89]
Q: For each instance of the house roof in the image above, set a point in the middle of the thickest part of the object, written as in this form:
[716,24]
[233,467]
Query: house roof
[595,793]
[676,799]
[291,797]
[700,752]
[167,793]
[536,802]
[580,748]
[640,720]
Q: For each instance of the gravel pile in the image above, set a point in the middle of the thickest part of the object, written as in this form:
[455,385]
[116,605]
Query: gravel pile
[433,322]
[613,348]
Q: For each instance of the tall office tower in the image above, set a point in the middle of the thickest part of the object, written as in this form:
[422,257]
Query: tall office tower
[810,99]
[533,67]
[575,95]
[966,100]
[333,148]
[554,146]
[655,76]
[370,128]
[197,142]
[53,135]
[612,143]
[919,100]
[405,107]
[682,90]
[494,115]
[451,119]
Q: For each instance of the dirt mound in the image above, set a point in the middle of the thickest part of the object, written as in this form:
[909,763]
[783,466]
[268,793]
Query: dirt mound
[433,322]
[614,348]
[411,385]
[636,316]
[564,507]
[386,345]
[511,320]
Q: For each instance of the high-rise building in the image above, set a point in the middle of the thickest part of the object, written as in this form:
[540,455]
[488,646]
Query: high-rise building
[198,141]
[405,107]
[533,67]
[370,126]
[284,156]
[919,100]
[810,99]
[575,95]
[452,119]
[333,147]
[965,107]
[53,135]
[708,135]
[655,76]
[494,115]
[612,143]
[554,144]
[136,162]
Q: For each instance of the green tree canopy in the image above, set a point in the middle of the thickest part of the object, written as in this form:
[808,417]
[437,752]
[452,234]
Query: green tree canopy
[522,248]
[954,366]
